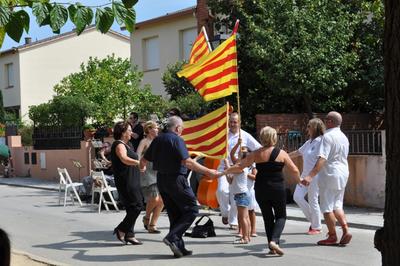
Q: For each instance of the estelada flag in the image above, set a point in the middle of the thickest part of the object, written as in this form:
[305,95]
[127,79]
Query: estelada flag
[208,135]
[215,75]
[201,47]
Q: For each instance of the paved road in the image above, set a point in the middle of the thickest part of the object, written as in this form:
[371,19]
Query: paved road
[80,236]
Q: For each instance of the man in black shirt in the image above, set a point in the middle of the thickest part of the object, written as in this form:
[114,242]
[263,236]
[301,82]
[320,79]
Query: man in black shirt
[137,130]
[171,159]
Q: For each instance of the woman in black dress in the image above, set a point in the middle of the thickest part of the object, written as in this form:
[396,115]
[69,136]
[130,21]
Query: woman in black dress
[127,180]
[269,185]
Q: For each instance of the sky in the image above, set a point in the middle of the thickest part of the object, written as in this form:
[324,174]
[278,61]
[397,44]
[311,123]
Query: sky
[145,9]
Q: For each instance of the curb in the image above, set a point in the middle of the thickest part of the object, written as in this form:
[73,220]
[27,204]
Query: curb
[37,258]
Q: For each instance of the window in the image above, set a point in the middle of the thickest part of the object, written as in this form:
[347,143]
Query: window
[33,158]
[188,37]
[151,54]
[9,77]
[26,157]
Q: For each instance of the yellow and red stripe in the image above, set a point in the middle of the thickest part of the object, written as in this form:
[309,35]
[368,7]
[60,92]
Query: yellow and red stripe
[215,75]
[200,47]
[208,135]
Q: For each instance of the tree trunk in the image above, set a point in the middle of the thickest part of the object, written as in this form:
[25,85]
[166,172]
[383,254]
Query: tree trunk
[387,240]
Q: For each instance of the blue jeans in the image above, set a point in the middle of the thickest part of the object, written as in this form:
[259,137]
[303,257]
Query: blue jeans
[242,199]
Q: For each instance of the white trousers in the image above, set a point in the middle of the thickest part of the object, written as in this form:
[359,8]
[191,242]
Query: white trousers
[226,202]
[311,208]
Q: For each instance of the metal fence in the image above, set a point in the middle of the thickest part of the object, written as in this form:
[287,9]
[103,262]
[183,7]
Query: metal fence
[362,142]
[54,138]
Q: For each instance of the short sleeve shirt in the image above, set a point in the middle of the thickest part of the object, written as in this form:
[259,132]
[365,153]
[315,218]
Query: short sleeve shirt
[309,151]
[335,149]
[247,140]
[167,152]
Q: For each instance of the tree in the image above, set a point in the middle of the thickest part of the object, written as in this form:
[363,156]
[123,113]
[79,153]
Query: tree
[111,84]
[14,19]
[61,111]
[174,85]
[294,56]
[387,239]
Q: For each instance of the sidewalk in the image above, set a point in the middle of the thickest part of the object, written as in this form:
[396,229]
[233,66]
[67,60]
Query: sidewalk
[362,218]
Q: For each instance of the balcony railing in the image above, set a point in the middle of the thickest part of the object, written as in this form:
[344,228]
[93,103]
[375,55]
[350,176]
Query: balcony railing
[57,138]
[362,142]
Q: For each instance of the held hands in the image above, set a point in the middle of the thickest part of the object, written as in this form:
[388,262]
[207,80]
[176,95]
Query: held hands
[306,180]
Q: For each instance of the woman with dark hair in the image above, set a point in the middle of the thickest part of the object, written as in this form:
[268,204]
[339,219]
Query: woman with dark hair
[127,181]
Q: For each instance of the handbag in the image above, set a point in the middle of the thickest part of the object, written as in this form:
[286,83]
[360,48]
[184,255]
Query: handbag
[203,230]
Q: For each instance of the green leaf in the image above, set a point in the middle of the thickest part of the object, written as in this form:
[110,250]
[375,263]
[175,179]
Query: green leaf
[72,12]
[130,20]
[5,14]
[83,17]
[23,17]
[41,12]
[120,12]
[2,35]
[129,3]
[15,27]
[58,17]
[104,19]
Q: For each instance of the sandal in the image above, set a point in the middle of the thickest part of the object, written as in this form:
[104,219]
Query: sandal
[240,241]
[145,222]
[254,235]
[275,247]
[152,229]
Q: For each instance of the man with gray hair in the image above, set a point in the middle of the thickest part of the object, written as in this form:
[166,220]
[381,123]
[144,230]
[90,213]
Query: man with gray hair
[171,160]
[333,170]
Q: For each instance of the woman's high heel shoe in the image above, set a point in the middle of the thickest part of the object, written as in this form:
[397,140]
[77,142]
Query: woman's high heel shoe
[145,222]
[133,241]
[120,235]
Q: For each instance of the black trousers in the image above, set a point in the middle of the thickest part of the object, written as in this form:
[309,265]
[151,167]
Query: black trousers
[180,203]
[273,208]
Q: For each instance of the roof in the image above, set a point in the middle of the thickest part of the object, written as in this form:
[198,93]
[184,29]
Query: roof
[59,37]
[168,16]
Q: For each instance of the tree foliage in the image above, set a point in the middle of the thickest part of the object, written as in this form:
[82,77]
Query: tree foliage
[14,19]
[112,85]
[296,56]
[174,85]
[61,111]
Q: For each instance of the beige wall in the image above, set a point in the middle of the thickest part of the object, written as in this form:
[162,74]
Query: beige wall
[43,66]
[11,96]
[168,33]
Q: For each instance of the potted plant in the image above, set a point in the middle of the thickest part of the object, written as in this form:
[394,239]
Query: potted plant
[88,131]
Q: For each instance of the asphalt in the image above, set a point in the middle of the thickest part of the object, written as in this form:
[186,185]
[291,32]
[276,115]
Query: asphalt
[361,218]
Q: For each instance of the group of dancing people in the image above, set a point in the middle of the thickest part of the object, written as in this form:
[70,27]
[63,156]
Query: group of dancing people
[252,173]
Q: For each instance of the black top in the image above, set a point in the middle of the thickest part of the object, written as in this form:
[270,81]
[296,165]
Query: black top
[127,177]
[138,129]
[269,174]
[108,170]
[167,152]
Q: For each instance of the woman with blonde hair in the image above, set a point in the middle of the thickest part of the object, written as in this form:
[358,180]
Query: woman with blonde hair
[309,151]
[269,185]
[148,182]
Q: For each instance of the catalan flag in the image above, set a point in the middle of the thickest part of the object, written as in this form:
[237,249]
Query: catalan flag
[200,48]
[208,135]
[215,75]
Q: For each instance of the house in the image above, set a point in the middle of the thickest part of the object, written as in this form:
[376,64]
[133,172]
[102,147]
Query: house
[161,41]
[29,72]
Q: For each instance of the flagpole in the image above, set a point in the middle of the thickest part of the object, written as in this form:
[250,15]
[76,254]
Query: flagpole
[235,28]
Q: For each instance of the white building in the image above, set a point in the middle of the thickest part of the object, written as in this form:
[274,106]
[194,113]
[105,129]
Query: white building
[29,72]
[161,41]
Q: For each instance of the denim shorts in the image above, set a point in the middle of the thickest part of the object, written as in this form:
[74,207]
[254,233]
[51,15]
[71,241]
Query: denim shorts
[242,199]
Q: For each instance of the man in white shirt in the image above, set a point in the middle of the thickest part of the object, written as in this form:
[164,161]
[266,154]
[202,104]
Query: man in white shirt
[333,170]
[224,195]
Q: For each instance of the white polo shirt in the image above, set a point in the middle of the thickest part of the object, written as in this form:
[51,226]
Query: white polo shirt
[247,140]
[335,149]
[309,150]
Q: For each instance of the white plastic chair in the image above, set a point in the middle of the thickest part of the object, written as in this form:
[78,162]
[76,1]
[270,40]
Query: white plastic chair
[66,184]
[102,188]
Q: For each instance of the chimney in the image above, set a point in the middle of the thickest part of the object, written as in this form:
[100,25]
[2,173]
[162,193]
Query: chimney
[28,40]
[203,18]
